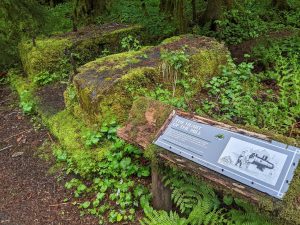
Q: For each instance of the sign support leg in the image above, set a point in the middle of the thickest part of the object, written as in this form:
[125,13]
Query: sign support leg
[161,194]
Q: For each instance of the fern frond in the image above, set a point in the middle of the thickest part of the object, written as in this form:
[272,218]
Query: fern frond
[154,217]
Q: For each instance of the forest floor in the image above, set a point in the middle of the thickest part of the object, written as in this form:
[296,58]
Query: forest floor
[29,194]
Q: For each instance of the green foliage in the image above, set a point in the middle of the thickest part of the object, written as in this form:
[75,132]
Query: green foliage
[187,192]
[162,218]
[265,53]
[174,66]
[26,102]
[240,96]
[237,26]
[59,18]
[18,18]
[199,204]
[44,78]
[129,11]
[107,131]
[107,187]
[130,43]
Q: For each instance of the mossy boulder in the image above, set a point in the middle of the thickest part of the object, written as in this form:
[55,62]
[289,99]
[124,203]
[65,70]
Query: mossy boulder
[107,86]
[53,54]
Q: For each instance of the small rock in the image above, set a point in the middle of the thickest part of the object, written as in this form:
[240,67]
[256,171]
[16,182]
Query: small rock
[17,154]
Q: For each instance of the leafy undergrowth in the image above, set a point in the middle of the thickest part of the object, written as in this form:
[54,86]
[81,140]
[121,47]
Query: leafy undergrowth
[110,176]
[268,100]
[197,203]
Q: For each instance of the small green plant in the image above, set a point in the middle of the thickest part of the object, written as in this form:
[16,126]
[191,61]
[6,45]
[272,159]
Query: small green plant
[46,77]
[174,66]
[130,43]
[239,95]
[92,138]
[109,187]
[27,102]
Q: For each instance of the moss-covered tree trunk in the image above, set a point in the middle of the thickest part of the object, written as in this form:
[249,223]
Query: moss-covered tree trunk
[280,4]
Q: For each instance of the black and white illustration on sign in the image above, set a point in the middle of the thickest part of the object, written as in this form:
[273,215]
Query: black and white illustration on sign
[261,163]
[267,166]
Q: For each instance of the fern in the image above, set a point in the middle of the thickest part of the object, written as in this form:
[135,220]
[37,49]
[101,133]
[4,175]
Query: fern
[187,192]
[206,213]
[246,215]
[201,205]
[154,217]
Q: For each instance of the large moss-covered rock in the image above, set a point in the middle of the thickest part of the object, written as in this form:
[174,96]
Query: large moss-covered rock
[53,54]
[107,86]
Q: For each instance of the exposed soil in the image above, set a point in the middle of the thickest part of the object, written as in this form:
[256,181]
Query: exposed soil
[51,98]
[29,195]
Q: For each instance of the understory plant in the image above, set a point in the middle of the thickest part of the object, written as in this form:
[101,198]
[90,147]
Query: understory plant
[111,186]
[197,203]
[174,66]
[267,100]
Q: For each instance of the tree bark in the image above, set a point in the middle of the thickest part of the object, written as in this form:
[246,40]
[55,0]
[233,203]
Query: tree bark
[213,12]
[194,11]
[182,23]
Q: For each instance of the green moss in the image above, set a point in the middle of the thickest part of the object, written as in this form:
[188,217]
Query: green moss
[52,54]
[70,131]
[171,40]
[206,64]
[25,90]
[107,86]
[48,55]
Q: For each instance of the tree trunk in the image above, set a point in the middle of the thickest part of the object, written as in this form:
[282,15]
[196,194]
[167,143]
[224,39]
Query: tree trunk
[33,41]
[281,4]
[144,8]
[213,12]
[194,10]
[74,24]
[182,23]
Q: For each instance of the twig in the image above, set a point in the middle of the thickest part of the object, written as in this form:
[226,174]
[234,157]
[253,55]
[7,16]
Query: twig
[63,203]
[50,137]
[24,131]
[7,147]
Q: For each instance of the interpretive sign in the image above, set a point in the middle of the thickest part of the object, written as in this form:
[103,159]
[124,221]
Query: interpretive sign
[267,166]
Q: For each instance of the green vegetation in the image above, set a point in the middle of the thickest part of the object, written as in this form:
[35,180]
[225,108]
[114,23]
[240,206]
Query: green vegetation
[111,180]
[74,42]
[198,204]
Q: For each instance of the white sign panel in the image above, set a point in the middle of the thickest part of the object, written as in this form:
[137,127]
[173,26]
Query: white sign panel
[253,160]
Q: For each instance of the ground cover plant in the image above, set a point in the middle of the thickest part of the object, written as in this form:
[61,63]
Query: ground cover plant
[108,178]
[111,186]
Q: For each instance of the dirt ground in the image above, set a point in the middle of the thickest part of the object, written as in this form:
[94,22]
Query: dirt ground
[29,195]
